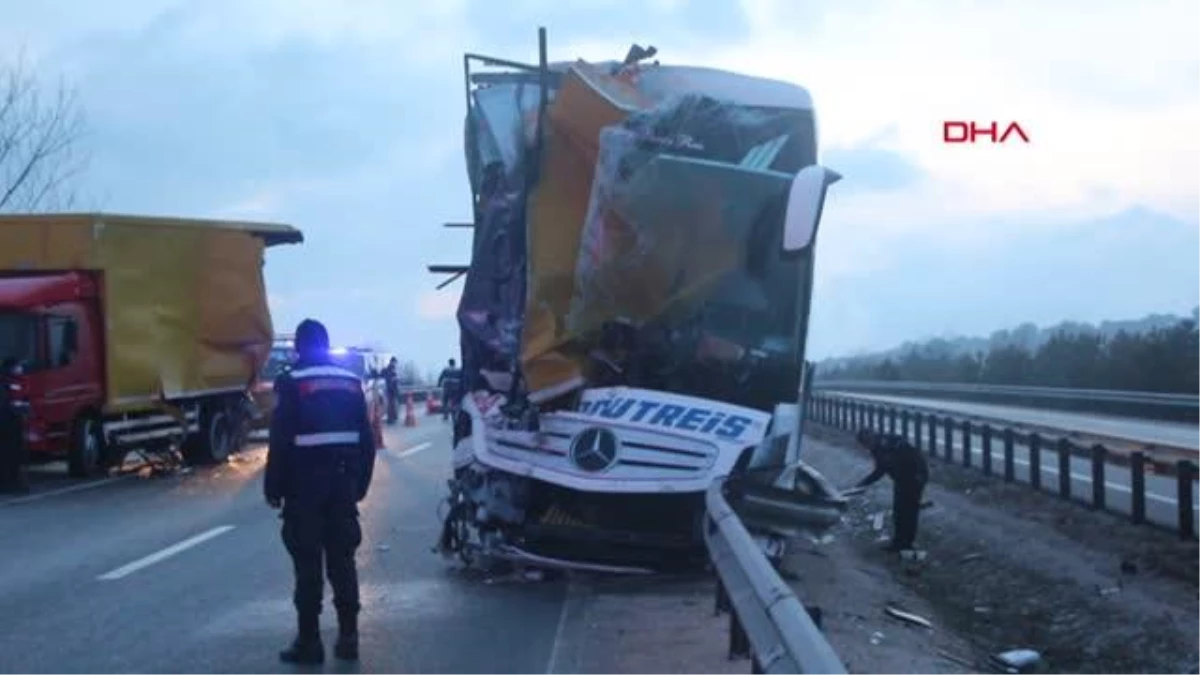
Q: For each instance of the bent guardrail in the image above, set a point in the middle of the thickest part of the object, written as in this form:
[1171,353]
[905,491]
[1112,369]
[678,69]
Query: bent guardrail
[1142,403]
[768,624]
[1145,488]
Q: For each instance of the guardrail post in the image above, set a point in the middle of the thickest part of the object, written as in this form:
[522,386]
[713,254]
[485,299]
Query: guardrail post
[966,431]
[1064,468]
[739,644]
[892,413]
[1099,487]
[1137,487]
[932,435]
[948,428]
[856,415]
[1010,469]
[1185,473]
[1035,461]
[986,441]
[843,414]
[904,424]
[917,417]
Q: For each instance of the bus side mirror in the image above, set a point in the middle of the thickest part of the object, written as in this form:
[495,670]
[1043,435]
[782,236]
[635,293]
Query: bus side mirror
[806,200]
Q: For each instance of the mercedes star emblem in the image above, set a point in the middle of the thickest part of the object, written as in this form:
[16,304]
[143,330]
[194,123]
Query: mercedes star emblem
[595,449]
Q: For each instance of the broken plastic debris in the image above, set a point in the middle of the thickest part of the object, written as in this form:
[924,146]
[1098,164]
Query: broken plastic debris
[907,617]
[876,637]
[912,554]
[534,575]
[384,547]
[1018,660]
[1111,590]
[983,609]
[971,556]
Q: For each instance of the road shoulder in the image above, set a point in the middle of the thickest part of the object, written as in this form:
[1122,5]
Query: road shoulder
[1009,568]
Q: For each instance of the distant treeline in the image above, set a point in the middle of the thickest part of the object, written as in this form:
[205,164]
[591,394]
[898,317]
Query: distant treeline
[1161,359]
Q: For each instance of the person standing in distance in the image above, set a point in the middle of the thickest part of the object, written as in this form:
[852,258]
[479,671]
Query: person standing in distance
[320,461]
[449,381]
[896,458]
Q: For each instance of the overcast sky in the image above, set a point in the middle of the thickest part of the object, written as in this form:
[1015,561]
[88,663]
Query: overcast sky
[345,119]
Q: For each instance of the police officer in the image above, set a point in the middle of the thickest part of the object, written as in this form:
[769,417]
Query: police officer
[12,432]
[896,458]
[319,466]
[449,381]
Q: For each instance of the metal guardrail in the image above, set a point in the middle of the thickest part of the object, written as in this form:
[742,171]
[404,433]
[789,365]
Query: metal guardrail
[767,623]
[1172,484]
[1046,393]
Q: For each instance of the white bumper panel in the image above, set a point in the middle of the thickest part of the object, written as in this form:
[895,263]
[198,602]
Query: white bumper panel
[611,452]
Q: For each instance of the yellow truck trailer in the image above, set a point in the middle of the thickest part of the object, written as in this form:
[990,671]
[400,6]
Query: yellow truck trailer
[134,331]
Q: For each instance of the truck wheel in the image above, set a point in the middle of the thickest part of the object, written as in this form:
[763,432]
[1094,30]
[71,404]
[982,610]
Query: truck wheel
[85,457]
[217,441]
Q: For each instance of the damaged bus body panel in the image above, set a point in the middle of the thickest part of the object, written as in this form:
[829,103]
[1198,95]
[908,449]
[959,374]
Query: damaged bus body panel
[634,316]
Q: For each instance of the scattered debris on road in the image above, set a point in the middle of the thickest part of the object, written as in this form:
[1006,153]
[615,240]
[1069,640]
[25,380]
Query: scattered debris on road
[907,617]
[1018,661]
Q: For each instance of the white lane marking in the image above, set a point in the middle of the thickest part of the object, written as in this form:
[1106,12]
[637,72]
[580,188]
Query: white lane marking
[570,598]
[414,449]
[63,491]
[167,552]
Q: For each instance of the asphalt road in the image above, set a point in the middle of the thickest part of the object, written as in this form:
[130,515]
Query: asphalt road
[1161,491]
[1152,432]
[186,573]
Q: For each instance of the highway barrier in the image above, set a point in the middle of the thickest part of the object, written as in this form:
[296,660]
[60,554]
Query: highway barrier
[1153,405]
[767,622]
[1148,489]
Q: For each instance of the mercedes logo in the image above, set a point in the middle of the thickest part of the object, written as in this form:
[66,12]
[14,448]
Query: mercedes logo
[595,449]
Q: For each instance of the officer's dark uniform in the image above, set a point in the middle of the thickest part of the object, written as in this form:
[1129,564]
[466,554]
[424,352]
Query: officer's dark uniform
[905,465]
[12,434]
[320,461]
[450,381]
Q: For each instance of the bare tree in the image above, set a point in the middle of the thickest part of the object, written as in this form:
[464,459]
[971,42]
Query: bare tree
[40,133]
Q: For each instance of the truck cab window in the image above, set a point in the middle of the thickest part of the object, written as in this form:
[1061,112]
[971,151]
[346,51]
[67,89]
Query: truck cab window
[19,337]
[62,336]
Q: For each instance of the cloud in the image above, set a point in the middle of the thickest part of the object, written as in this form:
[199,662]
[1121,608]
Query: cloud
[438,305]
[346,121]
[872,169]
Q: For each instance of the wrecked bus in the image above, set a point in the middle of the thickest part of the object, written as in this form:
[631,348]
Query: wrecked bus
[634,315]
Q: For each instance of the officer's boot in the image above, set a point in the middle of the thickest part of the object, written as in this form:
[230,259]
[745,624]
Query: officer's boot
[307,647]
[347,642]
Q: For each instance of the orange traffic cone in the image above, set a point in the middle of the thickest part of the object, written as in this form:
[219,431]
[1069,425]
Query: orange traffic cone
[429,403]
[410,417]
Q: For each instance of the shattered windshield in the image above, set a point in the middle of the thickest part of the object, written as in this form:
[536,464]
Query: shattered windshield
[649,241]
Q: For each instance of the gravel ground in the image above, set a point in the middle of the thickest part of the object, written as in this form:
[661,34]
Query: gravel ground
[1007,568]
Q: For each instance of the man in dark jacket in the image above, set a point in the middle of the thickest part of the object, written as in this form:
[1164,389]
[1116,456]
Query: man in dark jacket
[905,465]
[391,382]
[12,432]
[319,466]
[450,381]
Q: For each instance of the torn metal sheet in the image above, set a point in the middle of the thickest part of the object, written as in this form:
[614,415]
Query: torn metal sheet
[907,617]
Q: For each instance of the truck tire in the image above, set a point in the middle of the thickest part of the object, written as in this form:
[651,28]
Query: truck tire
[216,437]
[86,456]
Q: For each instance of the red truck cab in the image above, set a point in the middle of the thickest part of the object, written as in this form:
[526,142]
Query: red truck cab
[50,323]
